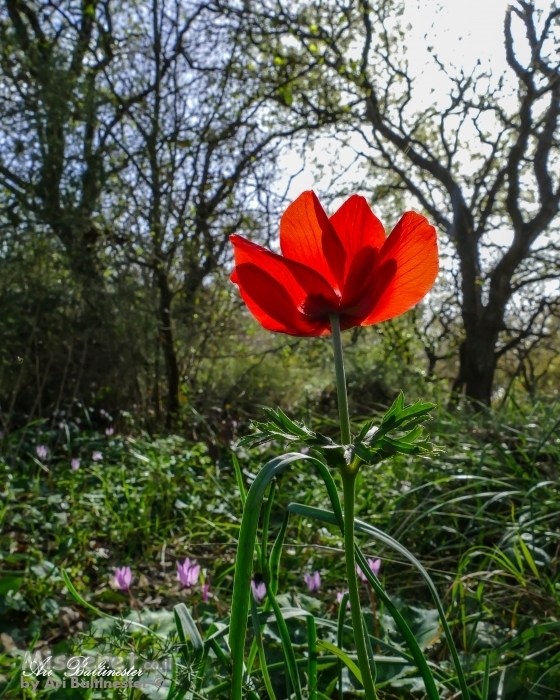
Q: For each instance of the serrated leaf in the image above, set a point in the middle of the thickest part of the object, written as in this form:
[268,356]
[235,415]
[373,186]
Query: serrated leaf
[397,407]
[413,435]
[374,445]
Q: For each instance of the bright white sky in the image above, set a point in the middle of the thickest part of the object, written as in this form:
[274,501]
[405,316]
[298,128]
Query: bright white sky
[460,31]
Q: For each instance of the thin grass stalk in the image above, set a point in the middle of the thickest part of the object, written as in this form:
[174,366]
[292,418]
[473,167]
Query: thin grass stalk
[260,649]
[312,661]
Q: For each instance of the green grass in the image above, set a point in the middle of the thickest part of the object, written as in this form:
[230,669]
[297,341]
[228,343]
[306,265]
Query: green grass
[483,517]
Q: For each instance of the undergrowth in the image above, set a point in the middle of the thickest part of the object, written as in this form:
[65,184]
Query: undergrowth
[482,517]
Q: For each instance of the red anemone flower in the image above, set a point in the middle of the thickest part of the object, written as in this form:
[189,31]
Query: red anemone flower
[343,264]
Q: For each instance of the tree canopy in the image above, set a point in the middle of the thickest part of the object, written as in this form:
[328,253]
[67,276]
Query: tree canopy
[135,138]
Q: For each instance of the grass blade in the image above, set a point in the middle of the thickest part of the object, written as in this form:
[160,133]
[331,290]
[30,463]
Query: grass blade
[340,639]
[312,661]
[260,649]
[486,679]
[187,630]
[419,658]
[245,552]
[343,656]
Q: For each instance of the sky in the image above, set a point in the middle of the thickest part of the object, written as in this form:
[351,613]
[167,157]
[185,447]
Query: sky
[461,33]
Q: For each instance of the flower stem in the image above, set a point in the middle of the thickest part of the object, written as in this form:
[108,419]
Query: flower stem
[348,485]
[343,414]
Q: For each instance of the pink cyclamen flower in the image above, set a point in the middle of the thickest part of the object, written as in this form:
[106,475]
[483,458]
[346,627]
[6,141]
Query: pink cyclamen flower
[109,431]
[205,590]
[123,578]
[313,581]
[97,456]
[75,464]
[42,451]
[259,590]
[374,565]
[187,573]
[339,597]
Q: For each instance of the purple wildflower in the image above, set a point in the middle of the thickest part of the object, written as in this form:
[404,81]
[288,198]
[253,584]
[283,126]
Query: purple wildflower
[97,456]
[187,573]
[313,581]
[259,590]
[205,590]
[123,578]
[75,464]
[109,431]
[374,565]
[42,451]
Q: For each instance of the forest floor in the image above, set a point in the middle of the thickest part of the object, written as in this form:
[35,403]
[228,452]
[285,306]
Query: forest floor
[482,517]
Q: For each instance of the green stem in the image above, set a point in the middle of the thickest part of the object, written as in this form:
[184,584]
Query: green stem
[348,485]
[340,381]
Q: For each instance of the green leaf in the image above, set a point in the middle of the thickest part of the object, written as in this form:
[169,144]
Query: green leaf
[528,556]
[187,630]
[245,552]
[260,648]
[276,553]
[486,679]
[312,658]
[404,423]
[10,583]
[343,656]
[326,516]
[287,646]
[239,479]
[79,599]
[340,638]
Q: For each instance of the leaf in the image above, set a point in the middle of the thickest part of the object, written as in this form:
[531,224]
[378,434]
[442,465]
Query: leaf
[326,516]
[187,630]
[404,423]
[10,583]
[343,656]
[79,599]
[486,678]
[239,479]
[246,548]
[275,554]
[260,648]
[287,646]
[312,658]
[528,556]
[417,654]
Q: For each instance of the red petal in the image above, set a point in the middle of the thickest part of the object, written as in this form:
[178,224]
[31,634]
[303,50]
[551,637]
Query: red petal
[375,285]
[357,227]
[412,245]
[289,292]
[306,235]
[299,280]
[272,306]
[359,280]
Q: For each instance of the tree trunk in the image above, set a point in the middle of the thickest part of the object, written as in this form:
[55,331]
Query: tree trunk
[168,348]
[477,365]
